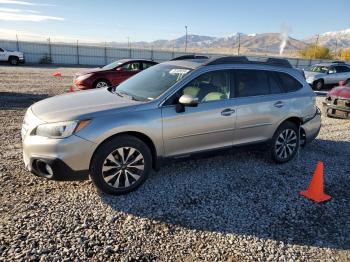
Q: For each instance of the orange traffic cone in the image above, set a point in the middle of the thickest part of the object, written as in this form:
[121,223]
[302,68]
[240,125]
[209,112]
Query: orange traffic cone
[315,190]
[57,74]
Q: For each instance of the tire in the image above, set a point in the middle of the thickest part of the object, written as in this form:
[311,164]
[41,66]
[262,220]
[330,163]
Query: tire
[318,85]
[120,165]
[101,84]
[286,134]
[13,60]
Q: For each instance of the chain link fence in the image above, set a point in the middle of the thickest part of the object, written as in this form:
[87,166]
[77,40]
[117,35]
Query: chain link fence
[37,52]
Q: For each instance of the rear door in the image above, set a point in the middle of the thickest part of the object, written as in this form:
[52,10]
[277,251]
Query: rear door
[343,73]
[261,105]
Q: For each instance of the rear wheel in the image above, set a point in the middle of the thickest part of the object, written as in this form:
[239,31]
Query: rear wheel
[120,165]
[285,142]
[101,84]
[318,85]
[13,60]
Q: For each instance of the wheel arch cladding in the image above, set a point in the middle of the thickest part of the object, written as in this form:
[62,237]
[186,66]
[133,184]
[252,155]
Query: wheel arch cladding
[144,138]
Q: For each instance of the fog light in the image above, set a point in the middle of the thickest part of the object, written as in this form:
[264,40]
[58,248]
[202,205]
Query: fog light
[48,169]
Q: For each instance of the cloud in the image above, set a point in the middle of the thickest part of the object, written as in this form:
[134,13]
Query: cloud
[6,33]
[13,16]
[16,2]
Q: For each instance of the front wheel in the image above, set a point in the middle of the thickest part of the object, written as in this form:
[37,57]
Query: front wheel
[285,143]
[318,85]
[13,60]
[101,84]
[120,165]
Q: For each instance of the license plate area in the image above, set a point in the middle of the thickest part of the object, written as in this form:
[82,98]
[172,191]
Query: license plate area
[340,113]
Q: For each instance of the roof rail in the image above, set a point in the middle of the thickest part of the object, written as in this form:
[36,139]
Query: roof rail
[338,62]
[278,62]
[228,60]
[186,57]
[244,60]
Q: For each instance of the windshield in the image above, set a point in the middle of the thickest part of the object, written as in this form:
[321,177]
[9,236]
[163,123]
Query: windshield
[112,65]
[153,82]
[319,69]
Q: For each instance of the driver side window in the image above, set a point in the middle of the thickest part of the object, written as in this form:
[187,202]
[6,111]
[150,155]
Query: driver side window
[211,86]
[133,66]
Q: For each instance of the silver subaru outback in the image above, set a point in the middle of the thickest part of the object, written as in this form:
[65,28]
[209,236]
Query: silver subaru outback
[117,135]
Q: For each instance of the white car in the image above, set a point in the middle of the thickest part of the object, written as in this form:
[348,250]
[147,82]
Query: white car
[13,57]
[323,74]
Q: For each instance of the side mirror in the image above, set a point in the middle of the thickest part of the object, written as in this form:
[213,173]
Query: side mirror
[119,69]
[186,100]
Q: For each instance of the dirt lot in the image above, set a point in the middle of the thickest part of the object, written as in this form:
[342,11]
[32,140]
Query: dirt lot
[237,207]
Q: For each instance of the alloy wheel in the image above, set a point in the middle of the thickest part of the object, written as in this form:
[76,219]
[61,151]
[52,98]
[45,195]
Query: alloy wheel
[101,84]
[286,143]
[123,167]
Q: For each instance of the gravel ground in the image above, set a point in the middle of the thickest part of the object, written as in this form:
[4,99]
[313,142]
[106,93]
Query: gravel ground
[233,207]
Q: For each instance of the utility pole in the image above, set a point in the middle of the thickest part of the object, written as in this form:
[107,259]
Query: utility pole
[239,43]
[315,49]
[186,39]
[17,43]
[128,41]
[336,46]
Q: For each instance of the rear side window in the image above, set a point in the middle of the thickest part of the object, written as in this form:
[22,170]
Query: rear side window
[342,69]
[288,83]
[275,87]
[256,83]
[146,65]
[251,83]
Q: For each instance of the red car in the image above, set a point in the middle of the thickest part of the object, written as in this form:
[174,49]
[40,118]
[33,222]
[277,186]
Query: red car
[338,101]
[110,75]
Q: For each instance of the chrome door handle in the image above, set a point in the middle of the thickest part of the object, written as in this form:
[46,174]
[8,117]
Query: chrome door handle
[227,112]
[279,104]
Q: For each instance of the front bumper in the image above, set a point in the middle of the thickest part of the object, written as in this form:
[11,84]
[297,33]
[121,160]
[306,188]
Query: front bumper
[69,158]
[312,127]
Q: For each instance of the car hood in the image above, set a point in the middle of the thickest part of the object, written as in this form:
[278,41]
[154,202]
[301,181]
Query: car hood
[340,91]
[313,74]
[90,71]
[80,105]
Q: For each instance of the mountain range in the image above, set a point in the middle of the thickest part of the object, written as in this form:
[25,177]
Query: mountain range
[263,42]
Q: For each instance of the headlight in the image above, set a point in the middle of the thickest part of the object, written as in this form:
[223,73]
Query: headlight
[60,129]
[310,79]
[83,77]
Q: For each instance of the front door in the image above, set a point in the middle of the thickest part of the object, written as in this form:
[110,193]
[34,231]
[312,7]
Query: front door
[125,71]
[210,125]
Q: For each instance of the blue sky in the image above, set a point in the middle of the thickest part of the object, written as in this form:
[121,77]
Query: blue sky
[107,20]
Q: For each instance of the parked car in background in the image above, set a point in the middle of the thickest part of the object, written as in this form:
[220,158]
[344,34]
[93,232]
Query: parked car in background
[110,75]
[174,109]
[337,102]
[13,57]
[323,74]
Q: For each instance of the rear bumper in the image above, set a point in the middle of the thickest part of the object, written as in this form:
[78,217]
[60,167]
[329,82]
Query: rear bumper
[338,110]
[312,127]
